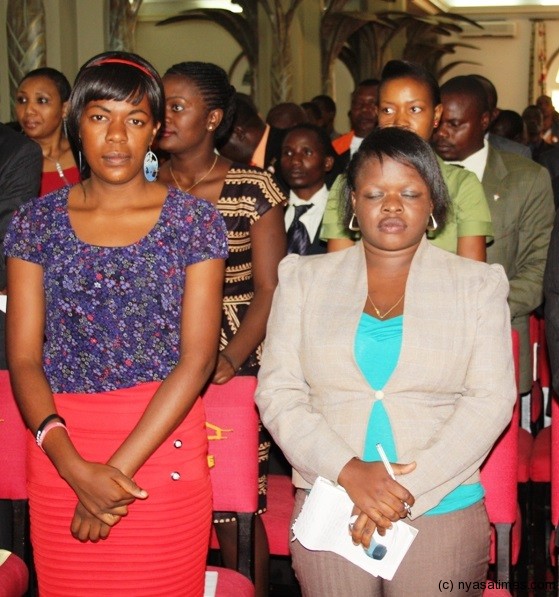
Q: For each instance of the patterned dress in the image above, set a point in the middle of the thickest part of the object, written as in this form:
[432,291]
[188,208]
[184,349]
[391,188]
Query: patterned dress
[247,194]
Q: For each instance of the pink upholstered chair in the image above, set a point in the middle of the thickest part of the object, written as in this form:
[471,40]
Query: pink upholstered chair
[277,518]
[232,425]
[499,476]
[13,487]
[231,583]
[14,577]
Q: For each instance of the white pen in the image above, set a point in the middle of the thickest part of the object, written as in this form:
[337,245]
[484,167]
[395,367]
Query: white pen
[390,471]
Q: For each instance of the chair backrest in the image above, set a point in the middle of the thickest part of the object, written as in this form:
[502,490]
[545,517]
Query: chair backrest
[232,425]
[13,437]
[499,473]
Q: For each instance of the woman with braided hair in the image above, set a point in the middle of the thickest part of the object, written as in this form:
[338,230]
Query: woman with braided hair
[199,111]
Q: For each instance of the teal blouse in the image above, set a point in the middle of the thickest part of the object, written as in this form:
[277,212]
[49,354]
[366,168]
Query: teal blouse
[377,350]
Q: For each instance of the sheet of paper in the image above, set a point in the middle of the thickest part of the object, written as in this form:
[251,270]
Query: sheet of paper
[210,587]
[322,525]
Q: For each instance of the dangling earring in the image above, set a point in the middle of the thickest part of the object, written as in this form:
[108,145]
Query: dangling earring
[65,127]
[353,223]
[80,161]
[432,227]
[151,166]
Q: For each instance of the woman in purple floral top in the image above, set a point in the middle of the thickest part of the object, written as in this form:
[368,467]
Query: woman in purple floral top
[114,313]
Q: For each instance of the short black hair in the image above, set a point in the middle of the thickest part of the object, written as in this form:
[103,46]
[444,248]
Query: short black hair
[322,136]
[368,83]
[312,107]
[215,89]
[403,69]
[59,79]
[470,86]
[324,102]
[509,124]
[115,76]
[404,147]
[490,90]
[246,112]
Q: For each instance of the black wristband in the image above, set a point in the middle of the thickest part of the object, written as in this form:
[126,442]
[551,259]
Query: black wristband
[46,421]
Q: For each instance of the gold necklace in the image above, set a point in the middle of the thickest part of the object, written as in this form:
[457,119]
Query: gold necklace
[195,182]
[383,315]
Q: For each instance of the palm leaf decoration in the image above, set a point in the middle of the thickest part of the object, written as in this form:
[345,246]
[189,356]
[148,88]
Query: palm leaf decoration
[243,27]
[423,34]
[363,40]
[353,37]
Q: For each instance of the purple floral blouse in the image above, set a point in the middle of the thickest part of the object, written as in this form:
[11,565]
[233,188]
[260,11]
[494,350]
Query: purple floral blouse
[113,313]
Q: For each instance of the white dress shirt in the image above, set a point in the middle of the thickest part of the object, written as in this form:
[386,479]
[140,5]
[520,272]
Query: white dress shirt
[476,162]
[313,217]
[355,145]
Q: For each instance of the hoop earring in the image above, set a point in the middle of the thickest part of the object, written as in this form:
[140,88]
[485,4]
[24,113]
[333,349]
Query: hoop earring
[151,166]
[433,226]
[353,223]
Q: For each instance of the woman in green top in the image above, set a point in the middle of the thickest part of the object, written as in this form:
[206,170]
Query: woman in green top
[409,98]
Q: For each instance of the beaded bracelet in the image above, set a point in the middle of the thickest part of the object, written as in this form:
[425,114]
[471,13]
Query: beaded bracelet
[229,360]
[44,423]
[49,427]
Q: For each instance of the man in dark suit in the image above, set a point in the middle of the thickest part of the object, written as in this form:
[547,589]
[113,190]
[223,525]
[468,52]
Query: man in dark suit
[363,118]
[306,158]
[21,163]
[519,196]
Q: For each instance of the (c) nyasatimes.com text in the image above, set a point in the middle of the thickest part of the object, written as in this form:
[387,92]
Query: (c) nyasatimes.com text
[448,586]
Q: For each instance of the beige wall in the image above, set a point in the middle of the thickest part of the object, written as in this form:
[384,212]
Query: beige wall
[505,61]
[167,45]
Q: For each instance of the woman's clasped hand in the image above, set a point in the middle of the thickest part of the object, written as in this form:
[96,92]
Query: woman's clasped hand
[104,495]
[379,500]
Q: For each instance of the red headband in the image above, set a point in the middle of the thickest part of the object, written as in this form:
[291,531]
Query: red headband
[124,61]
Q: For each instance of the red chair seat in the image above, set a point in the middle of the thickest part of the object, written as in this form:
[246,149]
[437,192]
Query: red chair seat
[277,519]
[14,576]
[231,583]
[540,462]
[13,441]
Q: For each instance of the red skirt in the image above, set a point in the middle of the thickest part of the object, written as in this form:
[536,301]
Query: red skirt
[160,547]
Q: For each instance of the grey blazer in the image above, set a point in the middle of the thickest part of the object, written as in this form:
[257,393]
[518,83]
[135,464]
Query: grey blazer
[504,144]
[448,399]
[520,199]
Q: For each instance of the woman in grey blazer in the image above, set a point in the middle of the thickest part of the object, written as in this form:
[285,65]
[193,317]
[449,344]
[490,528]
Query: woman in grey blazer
[397,341]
